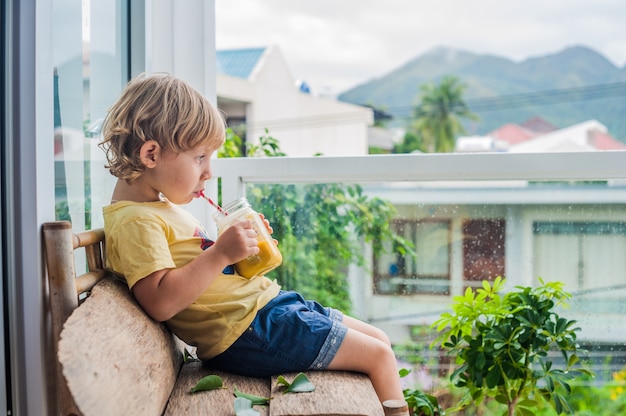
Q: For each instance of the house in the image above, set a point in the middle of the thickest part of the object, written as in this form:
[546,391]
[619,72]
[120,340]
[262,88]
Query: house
[537,135]
[257,92]
[590,135]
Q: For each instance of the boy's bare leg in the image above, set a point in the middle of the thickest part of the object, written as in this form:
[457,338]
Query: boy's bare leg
[366,329]
[366,349]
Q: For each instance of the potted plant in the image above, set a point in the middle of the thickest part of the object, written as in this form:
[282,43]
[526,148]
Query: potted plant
[501,342]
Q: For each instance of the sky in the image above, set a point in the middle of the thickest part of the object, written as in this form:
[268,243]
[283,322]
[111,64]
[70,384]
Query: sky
[335,45]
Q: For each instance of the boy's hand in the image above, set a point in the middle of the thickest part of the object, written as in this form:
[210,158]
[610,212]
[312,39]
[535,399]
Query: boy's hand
[268,226]
[237,242]
[267,223]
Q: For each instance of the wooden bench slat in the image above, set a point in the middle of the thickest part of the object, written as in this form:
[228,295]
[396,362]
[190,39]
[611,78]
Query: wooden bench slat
[337,393]
[116,360]
[182,402]
[86,282]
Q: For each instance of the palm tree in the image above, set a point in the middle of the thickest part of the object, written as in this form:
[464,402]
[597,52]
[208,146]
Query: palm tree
[437,117]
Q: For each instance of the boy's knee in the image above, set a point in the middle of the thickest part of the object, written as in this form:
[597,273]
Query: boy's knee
[384,351]
[381,335]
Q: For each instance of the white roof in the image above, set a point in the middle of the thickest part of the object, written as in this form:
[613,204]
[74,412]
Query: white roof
[570,139]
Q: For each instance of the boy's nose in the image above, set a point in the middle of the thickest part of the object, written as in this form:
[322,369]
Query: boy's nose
[207,174]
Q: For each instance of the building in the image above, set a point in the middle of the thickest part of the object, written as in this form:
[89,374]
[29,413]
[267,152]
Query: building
[537,135]
[256,89]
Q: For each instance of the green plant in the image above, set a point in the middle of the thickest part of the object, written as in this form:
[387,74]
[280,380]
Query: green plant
[502,341]
[420,403]
[232,146]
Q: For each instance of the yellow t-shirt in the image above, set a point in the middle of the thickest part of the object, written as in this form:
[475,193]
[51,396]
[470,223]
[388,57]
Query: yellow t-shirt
[142,238]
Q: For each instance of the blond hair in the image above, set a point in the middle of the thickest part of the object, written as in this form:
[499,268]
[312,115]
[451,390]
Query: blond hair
[160,108]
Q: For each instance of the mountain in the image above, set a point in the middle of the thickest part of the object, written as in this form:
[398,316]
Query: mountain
[502,91]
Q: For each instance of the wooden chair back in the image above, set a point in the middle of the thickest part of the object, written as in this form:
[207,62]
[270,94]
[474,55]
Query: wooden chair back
[66,287]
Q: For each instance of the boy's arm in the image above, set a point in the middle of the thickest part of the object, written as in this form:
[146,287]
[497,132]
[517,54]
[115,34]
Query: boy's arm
[166,292]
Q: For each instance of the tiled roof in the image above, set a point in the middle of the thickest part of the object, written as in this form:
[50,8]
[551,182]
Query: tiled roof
[538,125]
[604,141]
[512,134]
[238,62]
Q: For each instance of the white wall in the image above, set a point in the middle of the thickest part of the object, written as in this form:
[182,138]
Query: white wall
[180,39]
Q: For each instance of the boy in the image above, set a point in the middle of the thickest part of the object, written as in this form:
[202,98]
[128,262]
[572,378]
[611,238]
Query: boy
[158,138]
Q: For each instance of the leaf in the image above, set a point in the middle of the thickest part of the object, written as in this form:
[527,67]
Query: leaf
[403,372]
[186,355]
[493,378]
[501,398]
[523,411]
[480,361]
[563,402]
[211,382]
[573,359]
[254,399]
[458,372]
[558,405]
[243,407]
[300,384]
[527,403]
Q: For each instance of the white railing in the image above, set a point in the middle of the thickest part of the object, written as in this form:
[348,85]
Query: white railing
[236,172]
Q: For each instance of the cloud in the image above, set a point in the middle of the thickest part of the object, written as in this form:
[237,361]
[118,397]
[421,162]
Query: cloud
[335,45]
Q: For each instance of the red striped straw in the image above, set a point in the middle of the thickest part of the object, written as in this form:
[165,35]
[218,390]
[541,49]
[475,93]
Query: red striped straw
[213,203]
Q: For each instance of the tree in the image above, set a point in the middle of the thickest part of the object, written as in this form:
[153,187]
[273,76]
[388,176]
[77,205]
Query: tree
[410,143]
[437,117]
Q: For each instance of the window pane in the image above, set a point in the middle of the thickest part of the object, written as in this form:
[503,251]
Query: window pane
[460,234]
[89,46]
[483,249]
[426,269]
[432,242]
[588,257]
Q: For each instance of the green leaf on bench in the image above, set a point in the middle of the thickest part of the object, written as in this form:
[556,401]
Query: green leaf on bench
[254,399]
[243,407]
[211,382]
[300,384]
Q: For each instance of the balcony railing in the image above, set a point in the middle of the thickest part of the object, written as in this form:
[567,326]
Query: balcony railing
[574,166]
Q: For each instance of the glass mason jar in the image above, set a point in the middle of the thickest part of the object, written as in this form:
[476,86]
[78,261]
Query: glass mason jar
[269,256]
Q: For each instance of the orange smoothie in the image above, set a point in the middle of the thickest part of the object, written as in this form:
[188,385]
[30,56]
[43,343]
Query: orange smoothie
[268,259]
[269,256]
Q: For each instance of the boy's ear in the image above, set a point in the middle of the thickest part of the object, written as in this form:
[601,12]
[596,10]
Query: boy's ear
[149,153]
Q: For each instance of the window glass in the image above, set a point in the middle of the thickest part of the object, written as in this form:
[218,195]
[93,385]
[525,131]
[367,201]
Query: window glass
[570,232]
[483,249]
[588,255]
[427,269]
[89,49]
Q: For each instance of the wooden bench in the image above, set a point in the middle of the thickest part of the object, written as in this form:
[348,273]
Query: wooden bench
[113,359]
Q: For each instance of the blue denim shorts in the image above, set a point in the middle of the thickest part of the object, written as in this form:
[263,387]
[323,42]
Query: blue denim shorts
[289,334]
